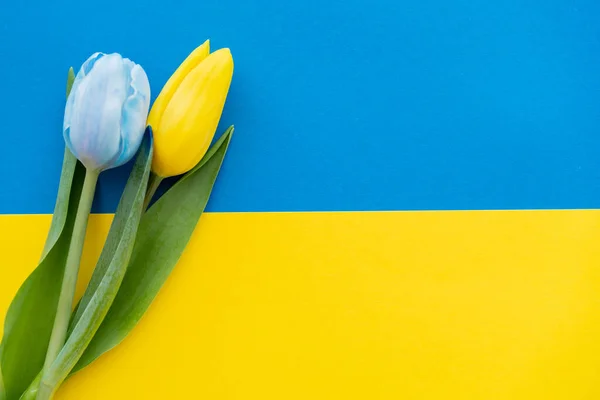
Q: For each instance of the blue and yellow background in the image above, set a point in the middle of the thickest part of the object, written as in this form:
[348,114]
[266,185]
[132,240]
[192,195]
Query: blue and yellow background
[406,211]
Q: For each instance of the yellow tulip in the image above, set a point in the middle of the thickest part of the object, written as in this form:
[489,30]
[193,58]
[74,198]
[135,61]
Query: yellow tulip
[186,113]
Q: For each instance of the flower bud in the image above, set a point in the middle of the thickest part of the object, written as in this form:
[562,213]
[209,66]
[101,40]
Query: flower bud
[186,113]
[106,111]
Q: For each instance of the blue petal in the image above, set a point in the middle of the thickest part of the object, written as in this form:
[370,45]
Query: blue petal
[83,71]
[135,112]
[89,63]
[93,112]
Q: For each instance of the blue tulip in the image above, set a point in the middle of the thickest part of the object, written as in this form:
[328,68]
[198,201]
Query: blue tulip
[106,111]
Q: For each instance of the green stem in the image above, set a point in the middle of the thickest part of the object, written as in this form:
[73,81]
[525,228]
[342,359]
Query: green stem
[67,290]
[153,184]
[44,392]
[32,390]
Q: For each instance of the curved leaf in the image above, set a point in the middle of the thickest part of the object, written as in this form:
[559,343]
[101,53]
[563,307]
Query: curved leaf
[30,317]
[163,234]
[120,229]
[101,294]
[59,215]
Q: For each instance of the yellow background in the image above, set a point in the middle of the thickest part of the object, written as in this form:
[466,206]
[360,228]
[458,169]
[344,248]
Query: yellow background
[388,305]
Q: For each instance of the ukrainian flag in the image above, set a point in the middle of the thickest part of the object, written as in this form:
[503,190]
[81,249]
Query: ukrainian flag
[406,210]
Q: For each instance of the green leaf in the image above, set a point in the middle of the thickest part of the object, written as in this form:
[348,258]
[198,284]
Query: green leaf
[2,391]
[164,232]
[120,229]
[30,317]
[109,271]
[70,80]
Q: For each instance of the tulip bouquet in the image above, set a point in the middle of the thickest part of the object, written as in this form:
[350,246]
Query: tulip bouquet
[47,335]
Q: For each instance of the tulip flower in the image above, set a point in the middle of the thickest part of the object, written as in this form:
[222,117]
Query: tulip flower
[106,111]
[186,113]
[105,119]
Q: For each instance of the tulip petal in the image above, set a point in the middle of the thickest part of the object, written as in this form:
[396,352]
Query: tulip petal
[163,99]
[134,112]
[83,71]
[193,114]
[89,63]
[94,129]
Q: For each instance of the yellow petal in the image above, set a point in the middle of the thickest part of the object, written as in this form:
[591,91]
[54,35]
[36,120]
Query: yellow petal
[191,62]
[190,119]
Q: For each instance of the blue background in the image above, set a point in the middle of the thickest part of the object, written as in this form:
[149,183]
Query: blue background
[338,105]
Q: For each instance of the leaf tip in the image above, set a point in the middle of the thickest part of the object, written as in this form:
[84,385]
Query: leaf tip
[70,80]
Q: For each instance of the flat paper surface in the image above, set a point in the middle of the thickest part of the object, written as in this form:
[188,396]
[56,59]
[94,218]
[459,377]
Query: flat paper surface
[358,306]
